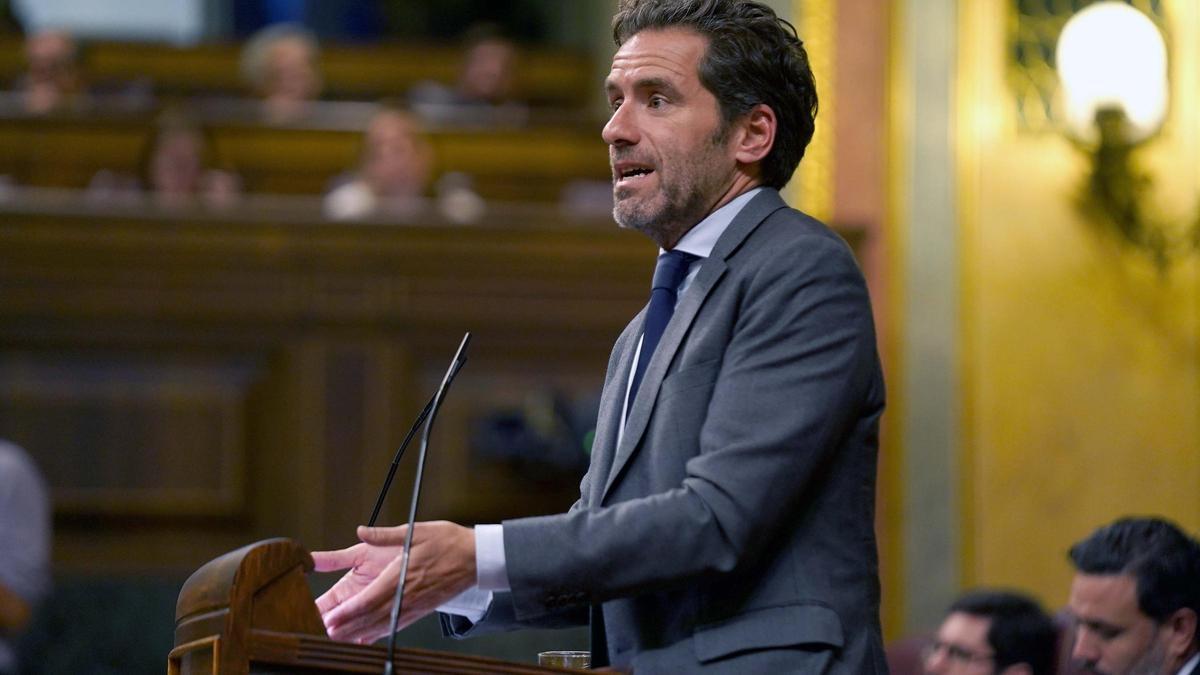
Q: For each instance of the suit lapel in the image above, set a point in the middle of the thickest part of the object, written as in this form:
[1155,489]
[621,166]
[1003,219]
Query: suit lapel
[612,401]
[711,270]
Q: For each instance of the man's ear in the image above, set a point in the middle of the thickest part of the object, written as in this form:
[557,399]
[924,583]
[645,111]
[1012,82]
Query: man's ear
[1017,669]
[1181,627]
[755,134]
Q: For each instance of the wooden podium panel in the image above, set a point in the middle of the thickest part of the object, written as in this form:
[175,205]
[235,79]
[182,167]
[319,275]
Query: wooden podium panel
[249,611]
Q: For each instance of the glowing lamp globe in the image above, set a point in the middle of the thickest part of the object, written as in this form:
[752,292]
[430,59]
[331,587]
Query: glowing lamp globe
[1112,56]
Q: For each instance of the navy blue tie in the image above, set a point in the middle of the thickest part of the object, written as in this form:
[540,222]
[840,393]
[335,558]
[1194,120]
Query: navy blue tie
[670,271]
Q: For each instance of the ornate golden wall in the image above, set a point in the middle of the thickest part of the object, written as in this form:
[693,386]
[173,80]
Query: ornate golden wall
[1080,368]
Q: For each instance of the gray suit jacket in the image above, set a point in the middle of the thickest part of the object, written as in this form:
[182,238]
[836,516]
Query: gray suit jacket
[732,529]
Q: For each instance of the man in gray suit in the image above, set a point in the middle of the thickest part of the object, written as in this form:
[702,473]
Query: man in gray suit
[726,523]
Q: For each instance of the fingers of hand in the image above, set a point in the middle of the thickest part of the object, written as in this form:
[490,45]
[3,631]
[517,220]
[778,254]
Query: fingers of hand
[331,561]
[367,607]
[345,588]
[358,608]
[367,616]
[365,629]
[382,536]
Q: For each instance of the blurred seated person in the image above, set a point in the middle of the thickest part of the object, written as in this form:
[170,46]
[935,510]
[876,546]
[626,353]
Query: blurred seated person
[51,80]
[280,64]
[993,633]
[587,198]
[483,92]
[177,170]
[24,547]
[1135,599]
[392,174]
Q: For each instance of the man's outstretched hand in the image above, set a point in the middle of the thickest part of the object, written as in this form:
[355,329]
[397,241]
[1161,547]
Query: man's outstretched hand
[358,607]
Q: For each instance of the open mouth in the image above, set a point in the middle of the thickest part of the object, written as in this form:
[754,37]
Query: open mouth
[626,174]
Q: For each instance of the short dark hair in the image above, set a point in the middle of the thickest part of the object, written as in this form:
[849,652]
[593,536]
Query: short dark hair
[1020,632]
[1161,557]
[753,57]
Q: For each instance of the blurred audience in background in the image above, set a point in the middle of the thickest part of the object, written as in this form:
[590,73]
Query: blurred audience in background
[1133,609]
[1135,599]
[488,68]
[457,198]
[392,174]
[587,198]
[178,168]
[281,66]
[24,547]
[52,79]
[993,633]
[483,93]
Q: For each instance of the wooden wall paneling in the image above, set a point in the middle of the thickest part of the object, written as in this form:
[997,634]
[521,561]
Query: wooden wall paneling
[124,434]
[271,369]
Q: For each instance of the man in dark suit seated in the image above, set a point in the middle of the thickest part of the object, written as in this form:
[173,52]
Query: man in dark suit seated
[726,521]
[993,633]
[1135,599]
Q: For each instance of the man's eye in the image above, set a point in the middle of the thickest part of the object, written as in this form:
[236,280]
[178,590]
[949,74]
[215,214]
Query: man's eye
[657,101]
[958,653]
[614,104]
[1103,632]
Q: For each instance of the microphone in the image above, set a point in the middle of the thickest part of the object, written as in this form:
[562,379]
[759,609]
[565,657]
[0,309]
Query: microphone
[459,359]
[387,482]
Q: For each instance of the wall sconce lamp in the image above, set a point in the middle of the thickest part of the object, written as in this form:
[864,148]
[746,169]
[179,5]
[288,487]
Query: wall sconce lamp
[1112,64]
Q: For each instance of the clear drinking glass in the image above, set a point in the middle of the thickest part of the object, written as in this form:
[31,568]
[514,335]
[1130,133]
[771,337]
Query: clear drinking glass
[566,659]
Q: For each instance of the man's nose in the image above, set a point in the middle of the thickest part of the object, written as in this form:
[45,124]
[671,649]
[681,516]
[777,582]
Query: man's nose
[936,662]
[621,128]
[1085,648]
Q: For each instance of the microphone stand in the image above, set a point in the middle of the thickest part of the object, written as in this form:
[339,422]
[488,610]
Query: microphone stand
[398,602]
[387,482]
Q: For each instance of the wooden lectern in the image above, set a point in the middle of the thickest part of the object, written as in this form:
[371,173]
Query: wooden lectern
[250,611]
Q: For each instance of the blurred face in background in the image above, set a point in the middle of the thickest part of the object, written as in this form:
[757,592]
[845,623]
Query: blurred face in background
[177,162]
[487,74]
[52,74]
[1112,635]
[396,157]
[961,647]
[291,72]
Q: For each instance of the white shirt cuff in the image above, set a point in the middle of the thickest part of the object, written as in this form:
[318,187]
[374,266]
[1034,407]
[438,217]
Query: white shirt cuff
[491,572]
[471,603]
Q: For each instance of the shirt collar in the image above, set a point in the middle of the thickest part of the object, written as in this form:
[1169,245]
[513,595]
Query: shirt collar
[701,239]
[1189,668]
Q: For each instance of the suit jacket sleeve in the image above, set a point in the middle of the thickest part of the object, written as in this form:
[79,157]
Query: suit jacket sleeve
[500,616]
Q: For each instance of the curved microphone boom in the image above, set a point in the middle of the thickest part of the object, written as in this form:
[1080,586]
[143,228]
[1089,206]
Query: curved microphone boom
[387,482]
[459,359]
